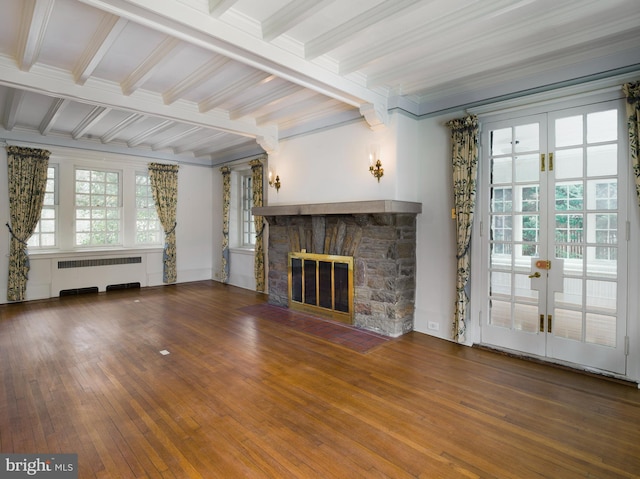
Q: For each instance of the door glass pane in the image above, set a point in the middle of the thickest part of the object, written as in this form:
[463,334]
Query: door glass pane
[500,284]
[325,291]
[572,294]
[523,291]
[527,137]
[525,318]
[527,168]
[501,200]
[501,170]
[601,329]
[569,131]
[568,163]
[602,261]
[568,324]
[602,194]
[601,296]
[530,201]
[602,126]
[602,228]
[501,142]
[500,314]
[309,281]
[296,279]
[602,160]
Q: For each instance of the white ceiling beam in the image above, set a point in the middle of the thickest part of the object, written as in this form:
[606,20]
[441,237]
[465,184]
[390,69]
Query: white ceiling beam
[459,13]
[97,114]
[175,138]
[218,7]
[106,34]
[12,107]
[58,83]
[342,33]
[215,35]
[118,128]
[143,72]
[159,128]
[195,79]
[290,109]
[192,145]
[54,112]
[276,94]
[289,16]
[232,90]
[35,19]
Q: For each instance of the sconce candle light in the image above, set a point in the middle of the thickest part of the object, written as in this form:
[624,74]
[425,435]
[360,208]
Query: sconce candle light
[274,183]
[375,169]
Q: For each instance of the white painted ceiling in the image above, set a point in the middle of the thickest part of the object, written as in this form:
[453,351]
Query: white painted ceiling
[205,81]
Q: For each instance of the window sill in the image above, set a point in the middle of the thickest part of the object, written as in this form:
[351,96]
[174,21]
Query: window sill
[239,250]
[52,253]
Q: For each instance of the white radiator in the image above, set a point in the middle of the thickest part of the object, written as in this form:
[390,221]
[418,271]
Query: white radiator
[50,274]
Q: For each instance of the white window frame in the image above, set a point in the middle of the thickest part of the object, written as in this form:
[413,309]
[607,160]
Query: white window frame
[95,209]
[246,221]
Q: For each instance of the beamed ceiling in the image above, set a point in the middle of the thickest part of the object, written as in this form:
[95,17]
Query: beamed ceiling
[204,81]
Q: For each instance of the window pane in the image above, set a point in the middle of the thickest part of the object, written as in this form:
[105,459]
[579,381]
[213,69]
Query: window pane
[602,126]
[527,137]
[568,163]
[569,131]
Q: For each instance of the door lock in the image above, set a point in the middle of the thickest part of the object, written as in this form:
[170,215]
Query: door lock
[535,275]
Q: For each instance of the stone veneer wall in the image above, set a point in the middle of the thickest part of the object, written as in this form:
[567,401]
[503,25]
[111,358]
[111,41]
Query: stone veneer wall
[384,249]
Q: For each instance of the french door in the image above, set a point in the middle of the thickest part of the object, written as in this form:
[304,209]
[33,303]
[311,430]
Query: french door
[555,236]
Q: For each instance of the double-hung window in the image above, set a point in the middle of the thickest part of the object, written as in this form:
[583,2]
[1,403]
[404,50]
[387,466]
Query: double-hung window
[97,208]
[148,228]
[248,233]
[44,235]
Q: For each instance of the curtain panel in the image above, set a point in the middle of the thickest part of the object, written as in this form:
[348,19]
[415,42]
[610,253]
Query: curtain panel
[164,187]
[27,174]
[465,155]
[226,212]
[632,92]
[257,172]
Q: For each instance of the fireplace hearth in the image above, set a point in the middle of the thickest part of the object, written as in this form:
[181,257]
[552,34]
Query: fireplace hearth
[380,236]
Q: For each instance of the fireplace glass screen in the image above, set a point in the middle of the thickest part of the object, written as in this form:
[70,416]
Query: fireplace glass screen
[322,284]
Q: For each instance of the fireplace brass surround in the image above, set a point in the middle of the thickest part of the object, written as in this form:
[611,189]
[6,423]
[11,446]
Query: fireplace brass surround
[321,284]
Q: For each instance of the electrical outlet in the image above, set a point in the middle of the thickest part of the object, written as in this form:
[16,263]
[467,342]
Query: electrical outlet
[433,325]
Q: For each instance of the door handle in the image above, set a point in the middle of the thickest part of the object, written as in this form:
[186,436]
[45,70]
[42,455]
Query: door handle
[535,275]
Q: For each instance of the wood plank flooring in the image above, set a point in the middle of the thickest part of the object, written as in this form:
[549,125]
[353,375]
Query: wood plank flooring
[240,396]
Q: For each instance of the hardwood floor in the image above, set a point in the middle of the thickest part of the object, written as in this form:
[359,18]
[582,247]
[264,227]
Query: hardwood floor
[244,397]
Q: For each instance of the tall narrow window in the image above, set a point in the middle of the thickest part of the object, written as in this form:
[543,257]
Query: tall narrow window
[248,226]
[97,208]
[148,228]
[44,235]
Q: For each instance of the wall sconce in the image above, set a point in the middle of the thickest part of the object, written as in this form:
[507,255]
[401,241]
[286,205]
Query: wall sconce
[375,169]
[274,183]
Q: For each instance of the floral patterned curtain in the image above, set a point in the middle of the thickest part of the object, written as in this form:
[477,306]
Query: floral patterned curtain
[632,91]
[226,211]
[464,140]
[27,172]
[164,187]
[257,181]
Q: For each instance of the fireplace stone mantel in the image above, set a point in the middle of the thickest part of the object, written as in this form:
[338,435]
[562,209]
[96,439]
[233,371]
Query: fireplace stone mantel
[345,208]
[380,236]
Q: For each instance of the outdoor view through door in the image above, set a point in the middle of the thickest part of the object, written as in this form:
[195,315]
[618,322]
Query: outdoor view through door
[556,189]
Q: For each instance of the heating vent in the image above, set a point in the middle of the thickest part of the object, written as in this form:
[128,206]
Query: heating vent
[84,263]
[115,287]
[77,291]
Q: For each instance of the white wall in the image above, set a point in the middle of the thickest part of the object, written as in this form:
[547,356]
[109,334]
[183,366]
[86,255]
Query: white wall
[193,233]
[436,249]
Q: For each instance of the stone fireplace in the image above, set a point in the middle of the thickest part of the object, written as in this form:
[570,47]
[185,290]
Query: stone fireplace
[379,235]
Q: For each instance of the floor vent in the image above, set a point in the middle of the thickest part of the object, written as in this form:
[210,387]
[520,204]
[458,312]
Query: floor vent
[77,291]
[84,263]
[116,287]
